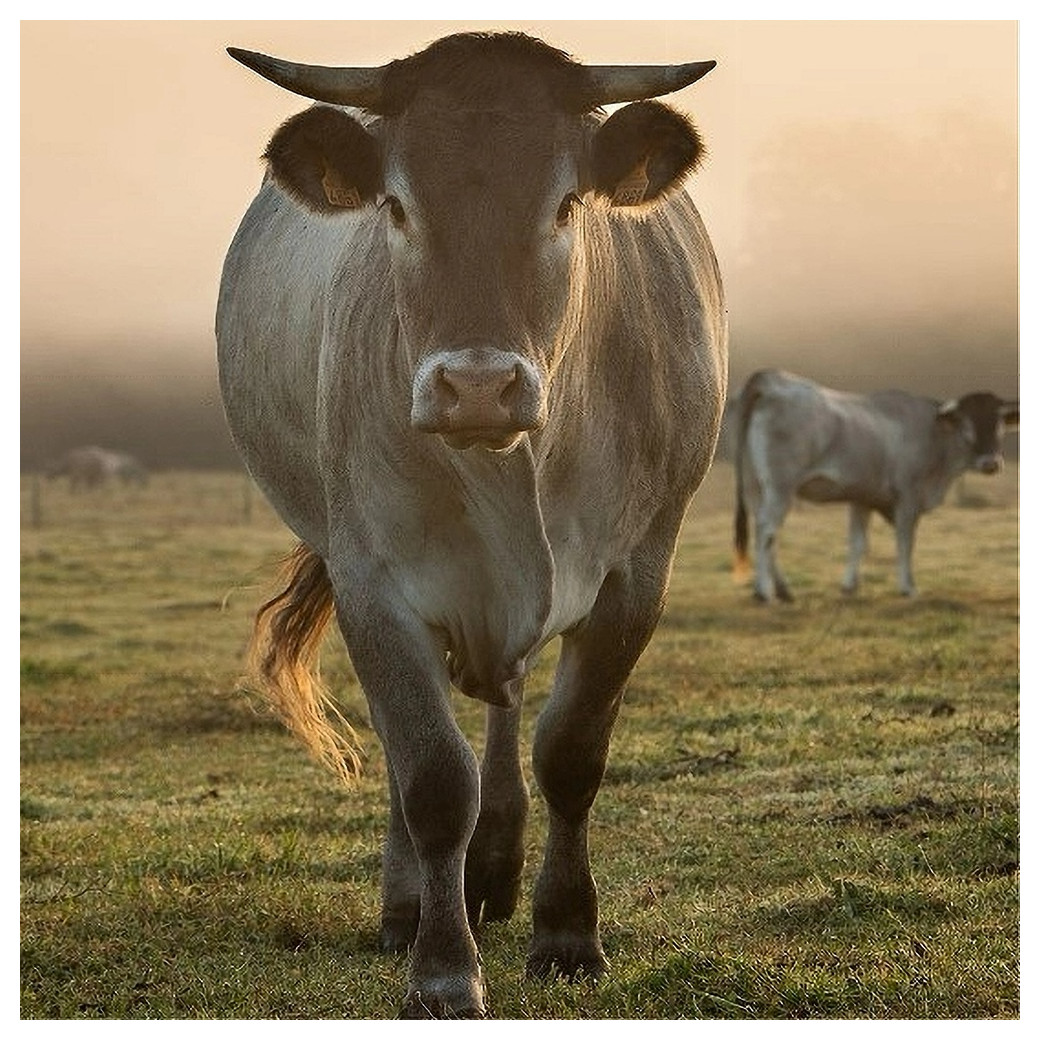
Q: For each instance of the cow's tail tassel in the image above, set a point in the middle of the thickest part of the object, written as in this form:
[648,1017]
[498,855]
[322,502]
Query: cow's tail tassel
[745,405]
[283,663]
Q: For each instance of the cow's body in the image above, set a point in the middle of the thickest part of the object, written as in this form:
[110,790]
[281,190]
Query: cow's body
[889,452]
[91,467]
[477,459]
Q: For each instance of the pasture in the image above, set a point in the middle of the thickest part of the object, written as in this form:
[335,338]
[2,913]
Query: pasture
[809,811]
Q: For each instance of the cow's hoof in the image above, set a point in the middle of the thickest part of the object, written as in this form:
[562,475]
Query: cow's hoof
[418,1006]
[573,958]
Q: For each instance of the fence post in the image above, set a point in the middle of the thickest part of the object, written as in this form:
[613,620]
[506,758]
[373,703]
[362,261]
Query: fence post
[35,504]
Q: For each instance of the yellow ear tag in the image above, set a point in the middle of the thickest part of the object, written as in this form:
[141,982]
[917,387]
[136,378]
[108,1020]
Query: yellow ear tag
[632,189]
[338,191]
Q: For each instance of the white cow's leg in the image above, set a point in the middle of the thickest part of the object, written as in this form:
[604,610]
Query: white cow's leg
[859,518]
[906,527]
[495,859]
[769,580]
[404,676]
[570,749]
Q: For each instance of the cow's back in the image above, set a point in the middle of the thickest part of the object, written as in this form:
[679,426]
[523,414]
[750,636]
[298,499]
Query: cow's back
[833,445]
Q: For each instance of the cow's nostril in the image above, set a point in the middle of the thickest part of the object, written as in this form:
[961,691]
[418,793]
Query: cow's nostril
[445,388]
[511,386]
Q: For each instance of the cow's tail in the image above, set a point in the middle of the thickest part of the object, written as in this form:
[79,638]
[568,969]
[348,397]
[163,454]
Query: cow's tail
[745,406]
[283,663]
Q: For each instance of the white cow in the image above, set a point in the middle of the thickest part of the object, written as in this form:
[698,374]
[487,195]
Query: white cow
[90,467]
[888,452]
[472,346]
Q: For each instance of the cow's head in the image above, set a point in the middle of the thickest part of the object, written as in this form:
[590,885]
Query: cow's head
[487,160]
[980,420]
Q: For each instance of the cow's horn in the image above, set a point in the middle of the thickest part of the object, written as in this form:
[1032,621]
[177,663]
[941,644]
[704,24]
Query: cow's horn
[361,87]
[610,84]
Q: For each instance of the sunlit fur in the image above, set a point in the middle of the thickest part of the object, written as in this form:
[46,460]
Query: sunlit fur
[283,663]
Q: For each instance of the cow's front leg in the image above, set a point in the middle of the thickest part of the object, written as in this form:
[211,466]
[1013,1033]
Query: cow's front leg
[859,518]
[570,750]
[495,859]
[437,782]
[905,523]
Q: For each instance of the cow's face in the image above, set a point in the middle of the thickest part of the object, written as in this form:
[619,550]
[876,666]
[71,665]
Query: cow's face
[482,213]
[980,420]
[485,205]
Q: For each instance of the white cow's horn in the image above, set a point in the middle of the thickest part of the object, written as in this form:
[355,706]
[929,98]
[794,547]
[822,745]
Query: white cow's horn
[609,84]
[360,87]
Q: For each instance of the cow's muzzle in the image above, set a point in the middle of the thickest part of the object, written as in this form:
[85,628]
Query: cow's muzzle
[478,396]
[989,464]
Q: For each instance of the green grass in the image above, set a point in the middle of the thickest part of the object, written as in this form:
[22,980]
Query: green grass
[810,811]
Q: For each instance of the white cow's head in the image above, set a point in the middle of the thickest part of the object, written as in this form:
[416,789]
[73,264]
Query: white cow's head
[980,420]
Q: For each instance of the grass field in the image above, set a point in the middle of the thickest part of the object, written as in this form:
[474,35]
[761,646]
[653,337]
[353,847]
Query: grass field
[810,811]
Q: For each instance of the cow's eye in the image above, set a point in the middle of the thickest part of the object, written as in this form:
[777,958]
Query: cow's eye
[397,214]
[566,210]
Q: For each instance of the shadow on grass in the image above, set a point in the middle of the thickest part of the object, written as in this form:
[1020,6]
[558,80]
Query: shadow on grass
[848,908]
[222,957]
[652,772]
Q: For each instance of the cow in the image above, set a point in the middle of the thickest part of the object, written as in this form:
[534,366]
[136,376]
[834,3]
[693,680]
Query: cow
[889,452]
[91,467]
[472,346]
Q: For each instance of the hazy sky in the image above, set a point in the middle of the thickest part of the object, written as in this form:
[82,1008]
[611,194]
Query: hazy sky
[140,144]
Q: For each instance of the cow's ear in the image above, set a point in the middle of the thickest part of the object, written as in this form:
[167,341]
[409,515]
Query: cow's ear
[1009,413]
[326,160]
[642,151]
[949,411]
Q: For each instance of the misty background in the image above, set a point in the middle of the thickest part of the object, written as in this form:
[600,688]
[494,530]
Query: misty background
[861,189]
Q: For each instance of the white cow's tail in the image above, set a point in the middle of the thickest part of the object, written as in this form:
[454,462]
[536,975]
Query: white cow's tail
[283,663]
[745,406]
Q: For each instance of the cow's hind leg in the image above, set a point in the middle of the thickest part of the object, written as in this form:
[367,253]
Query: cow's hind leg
[570,749]
[769,580]
[495,860]
[401,882]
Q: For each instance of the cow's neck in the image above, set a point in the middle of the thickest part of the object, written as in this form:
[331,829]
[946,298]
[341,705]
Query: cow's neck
[947,461]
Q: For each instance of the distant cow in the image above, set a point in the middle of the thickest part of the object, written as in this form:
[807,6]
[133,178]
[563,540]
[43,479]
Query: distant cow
[889,452]
[472,347]
[91,467]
